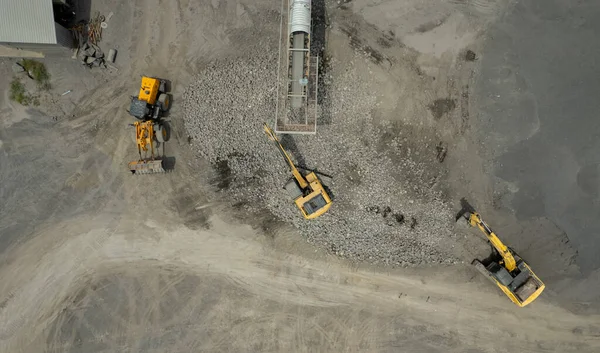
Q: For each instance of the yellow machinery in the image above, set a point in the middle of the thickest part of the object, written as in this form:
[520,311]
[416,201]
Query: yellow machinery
[505,268]
[152,99]
[148,105]
[307,192]
[149,137]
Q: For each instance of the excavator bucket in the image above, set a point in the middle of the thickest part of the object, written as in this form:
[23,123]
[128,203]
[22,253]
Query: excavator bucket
[147,167]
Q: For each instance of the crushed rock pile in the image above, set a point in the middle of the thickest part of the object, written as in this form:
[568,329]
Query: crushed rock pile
[376,216]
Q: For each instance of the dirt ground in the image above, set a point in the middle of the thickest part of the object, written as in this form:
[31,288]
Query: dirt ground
[97,260]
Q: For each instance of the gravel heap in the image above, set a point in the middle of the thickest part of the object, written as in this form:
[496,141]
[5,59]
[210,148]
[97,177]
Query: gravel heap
[377,216]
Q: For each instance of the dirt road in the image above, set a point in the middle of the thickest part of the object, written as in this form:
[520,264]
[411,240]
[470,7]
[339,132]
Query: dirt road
[92,261]
[224,289]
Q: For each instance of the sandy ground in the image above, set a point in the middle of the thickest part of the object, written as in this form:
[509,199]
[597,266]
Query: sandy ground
[95,260]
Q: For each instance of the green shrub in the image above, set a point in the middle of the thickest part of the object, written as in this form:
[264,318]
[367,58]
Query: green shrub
[18,93]
[38,71]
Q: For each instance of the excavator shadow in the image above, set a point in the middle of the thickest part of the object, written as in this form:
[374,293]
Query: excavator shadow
[318,48]
[288,142]
[329,192]
[169,163]
[316,171]
[494,256]
[465,209]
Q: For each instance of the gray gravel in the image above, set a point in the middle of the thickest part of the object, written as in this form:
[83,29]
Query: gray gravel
[377,216]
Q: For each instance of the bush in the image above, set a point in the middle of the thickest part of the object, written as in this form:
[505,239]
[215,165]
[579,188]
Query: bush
[18,93]
[38,71]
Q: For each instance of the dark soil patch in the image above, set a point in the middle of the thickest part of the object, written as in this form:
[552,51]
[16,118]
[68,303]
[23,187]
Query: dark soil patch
[443,106]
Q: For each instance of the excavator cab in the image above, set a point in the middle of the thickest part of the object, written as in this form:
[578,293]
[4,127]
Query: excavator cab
[151,100]
[505,267]
[308,193]
[312,201]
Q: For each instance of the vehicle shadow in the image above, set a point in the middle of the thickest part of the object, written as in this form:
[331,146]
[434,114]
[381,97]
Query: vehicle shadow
[320,23]
[82,9]
[169,163]
[289,144]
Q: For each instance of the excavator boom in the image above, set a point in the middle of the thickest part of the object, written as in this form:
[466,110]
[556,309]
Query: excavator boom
[297,175]
[507,257]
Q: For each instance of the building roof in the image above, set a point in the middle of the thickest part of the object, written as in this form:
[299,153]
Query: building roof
[27,21]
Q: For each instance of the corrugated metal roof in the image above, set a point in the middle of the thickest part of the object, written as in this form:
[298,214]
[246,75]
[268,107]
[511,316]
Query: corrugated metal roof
[27,21]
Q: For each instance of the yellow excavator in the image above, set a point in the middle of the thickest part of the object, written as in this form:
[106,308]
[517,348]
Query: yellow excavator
[308,193]
[505,268]
[148,105]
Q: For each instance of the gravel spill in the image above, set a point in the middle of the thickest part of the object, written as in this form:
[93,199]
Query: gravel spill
[378,216]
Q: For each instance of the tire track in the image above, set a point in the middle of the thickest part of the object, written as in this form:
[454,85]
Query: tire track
[240,269]
[484,7]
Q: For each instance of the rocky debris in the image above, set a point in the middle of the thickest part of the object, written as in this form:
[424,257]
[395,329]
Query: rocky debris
[470,55]
[442,151]
[224,111]
[91,55]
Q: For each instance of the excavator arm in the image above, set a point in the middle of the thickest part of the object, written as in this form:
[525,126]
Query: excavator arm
[509,261]
[295,172]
